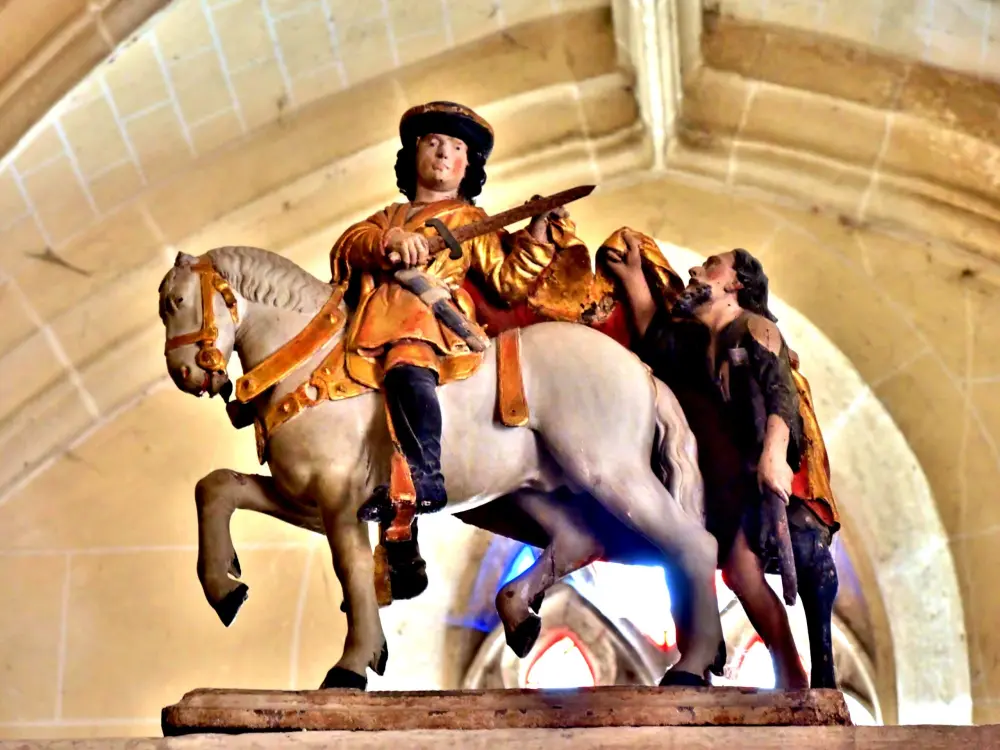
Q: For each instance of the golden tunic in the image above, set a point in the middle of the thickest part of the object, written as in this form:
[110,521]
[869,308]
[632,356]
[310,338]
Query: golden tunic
[816,462]
[391,322]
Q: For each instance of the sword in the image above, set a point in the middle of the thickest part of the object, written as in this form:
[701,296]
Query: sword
[537,207]
[435,295]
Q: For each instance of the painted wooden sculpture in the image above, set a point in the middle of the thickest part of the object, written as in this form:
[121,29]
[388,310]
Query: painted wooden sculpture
[370,403]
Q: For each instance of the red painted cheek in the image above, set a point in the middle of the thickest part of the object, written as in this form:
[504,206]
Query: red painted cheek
[458,166]
[714,275]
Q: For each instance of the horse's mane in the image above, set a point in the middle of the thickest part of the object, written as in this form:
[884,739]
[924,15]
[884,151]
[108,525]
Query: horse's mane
[269,279]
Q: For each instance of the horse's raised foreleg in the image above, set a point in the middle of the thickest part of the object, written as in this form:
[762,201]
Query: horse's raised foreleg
[217,496]
[364,645]
[572,547]
[818,583]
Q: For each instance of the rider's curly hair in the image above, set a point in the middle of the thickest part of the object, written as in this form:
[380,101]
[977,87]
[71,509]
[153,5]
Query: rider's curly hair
[469,189]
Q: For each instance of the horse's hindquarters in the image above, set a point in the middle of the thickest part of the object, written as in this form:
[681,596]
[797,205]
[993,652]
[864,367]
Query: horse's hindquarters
[591,400]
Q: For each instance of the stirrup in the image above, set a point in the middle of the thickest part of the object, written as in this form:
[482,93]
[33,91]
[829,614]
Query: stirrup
[425,505]
[378,508]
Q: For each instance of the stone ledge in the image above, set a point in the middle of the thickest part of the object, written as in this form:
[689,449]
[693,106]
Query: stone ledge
[237,711]
[608,738]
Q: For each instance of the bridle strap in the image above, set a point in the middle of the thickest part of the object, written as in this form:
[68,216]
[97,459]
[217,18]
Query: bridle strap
[209,358]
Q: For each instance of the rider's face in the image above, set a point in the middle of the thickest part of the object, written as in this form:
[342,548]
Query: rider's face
[441,162]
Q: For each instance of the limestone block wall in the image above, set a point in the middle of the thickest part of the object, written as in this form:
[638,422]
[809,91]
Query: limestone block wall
[47,48]
[962,35]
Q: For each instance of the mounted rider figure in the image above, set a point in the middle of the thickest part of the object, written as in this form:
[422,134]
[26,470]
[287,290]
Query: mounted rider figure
[395,341]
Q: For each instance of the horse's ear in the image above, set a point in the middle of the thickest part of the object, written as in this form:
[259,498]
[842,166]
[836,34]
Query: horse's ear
[183,259]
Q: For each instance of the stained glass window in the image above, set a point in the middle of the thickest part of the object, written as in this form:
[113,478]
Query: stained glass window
[560,665]
[640,595]
[637,593]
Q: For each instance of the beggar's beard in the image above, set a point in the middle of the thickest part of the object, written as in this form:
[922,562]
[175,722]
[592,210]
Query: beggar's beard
[691,299]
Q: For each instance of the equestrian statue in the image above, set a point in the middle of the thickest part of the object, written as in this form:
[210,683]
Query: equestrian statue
[452,365]
[360,393]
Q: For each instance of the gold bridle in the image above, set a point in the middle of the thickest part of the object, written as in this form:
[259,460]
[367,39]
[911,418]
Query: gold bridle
[209,357]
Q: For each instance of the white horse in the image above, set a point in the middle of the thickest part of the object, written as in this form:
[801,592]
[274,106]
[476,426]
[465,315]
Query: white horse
[606,465]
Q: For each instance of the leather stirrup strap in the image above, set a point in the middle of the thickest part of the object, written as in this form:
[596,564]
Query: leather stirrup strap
[513,404]
[402,493]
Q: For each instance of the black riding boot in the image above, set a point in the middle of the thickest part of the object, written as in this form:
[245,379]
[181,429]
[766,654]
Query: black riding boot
[411,395]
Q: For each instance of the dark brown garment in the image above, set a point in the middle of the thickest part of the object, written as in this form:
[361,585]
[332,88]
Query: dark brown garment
[729,432]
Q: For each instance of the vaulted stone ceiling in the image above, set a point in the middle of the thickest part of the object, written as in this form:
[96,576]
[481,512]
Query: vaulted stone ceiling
[853,146]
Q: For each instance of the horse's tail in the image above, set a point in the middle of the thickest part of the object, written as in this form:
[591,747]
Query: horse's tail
[675,453]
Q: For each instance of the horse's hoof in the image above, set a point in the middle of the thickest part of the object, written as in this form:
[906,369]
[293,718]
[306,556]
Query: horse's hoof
[679,678]
[536,603]
[231,603]
[522,638]
[339,678]
[383,659]
[719,665]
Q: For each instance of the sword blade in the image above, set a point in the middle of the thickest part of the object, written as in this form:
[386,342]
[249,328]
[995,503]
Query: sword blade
[537,207]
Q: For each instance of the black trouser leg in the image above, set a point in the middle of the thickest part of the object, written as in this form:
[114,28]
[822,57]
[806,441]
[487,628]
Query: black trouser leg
[411,394]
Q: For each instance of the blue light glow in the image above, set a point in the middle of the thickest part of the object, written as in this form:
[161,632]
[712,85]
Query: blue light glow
[523,560]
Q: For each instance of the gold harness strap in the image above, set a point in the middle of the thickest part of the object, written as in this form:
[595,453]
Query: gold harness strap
[305,344]
[329,382]
[402,493]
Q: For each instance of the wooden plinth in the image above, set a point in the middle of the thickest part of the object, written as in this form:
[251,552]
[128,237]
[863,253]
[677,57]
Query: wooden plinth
[239,711]
[606,738]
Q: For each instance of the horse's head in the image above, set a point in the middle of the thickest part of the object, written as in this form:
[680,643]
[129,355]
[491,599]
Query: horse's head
[200,313]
